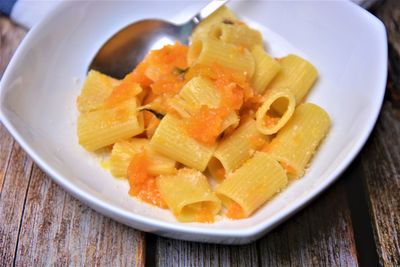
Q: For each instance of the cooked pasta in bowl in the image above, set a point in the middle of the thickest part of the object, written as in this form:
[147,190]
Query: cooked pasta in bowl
[221,104]
[217,141]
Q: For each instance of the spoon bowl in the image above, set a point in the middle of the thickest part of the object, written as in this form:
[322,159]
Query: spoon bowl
[127,48]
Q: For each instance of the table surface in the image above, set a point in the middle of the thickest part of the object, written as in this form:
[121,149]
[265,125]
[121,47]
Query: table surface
[354,222]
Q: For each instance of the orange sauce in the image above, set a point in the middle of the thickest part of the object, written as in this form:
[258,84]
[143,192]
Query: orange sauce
[220,173]
[266,148]
[288,168]
[204,215]
[235,211]
[159,69]
[150,123]
[139,74]
[142,184]
[205,125]
[124,91]
[169,84]
[256,141]
[270,121]
[234,86]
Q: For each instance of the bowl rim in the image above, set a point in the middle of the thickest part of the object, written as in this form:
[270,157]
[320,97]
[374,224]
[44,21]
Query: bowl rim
[124,216]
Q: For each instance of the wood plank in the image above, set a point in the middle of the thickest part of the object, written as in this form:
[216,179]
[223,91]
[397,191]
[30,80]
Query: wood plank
[171,252]
[320,235]
[10,37]
[12,199]
[6,144]
[381,166]
[381,156]
[15,166]
[389,12]
[59,230]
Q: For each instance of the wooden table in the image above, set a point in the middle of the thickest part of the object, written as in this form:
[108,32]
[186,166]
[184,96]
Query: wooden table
[355,222]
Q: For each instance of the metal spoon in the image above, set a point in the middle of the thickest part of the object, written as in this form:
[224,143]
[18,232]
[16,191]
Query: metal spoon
[123,51]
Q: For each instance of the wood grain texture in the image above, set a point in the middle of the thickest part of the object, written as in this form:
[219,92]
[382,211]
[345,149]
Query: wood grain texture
[15,166]
[320,235]
[12,202]
[389,12]
[59,230]
[381,156]
[6,143]
[10,37]
[171,252]
[381,166]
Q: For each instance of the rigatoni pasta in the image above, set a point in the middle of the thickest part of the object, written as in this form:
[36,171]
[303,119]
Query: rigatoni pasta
[212,129]
[222,14]
[237,33]
[235,149]
[266,69]
[198,92]
[189,196]
[297,75]
[257,180]
[96,89]
[123,152]
[104,127]
[208,51]
[171,140]
[268,121]
[297,141]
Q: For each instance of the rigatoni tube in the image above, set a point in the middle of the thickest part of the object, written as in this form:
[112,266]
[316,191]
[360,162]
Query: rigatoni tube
[266,69]
[104,127]
[172,140]
[189,196]
[298,140]
[268,121]
[123,152]
[297,74]
[236,149]
[250,186]
[96,88]
[237,33]
[209,51]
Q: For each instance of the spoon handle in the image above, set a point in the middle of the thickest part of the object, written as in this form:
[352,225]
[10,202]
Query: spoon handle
[208,10]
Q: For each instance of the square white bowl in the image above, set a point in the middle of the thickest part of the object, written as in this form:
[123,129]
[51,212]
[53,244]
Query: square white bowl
[38,91]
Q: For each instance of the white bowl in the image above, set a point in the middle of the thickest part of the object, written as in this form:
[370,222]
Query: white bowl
[38,92]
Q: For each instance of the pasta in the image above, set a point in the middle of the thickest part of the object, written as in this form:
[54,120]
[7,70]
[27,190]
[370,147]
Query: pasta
[297,74]
[171,140]
[123,152]
[266,69]
[104,127]
[251,185]
[199,92]
[193,199]
[296,143]
[222,14]
[237,33]
[208,51]
[236,149]
[213,129]
[96,89]
[269,122]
